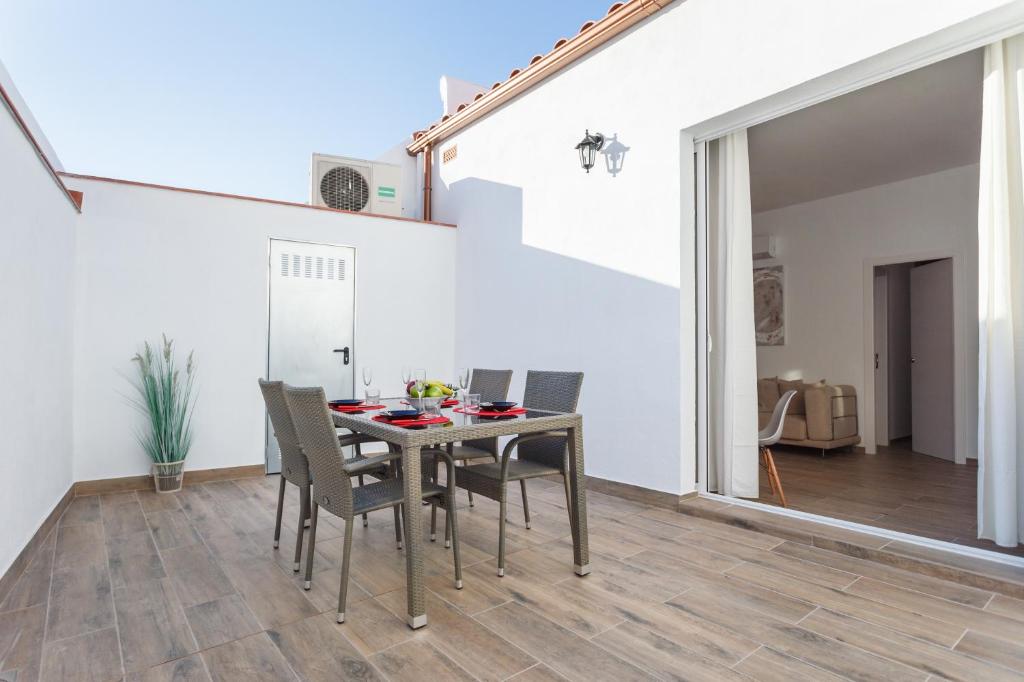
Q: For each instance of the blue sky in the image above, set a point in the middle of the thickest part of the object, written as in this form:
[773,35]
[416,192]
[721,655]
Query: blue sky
[235,96]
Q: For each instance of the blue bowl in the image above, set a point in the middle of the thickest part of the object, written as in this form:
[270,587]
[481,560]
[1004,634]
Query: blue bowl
[499,405]
[346,402]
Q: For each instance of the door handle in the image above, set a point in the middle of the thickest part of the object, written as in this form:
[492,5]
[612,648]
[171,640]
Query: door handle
[345,352]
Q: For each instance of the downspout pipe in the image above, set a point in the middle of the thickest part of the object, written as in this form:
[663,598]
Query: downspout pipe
[428,173]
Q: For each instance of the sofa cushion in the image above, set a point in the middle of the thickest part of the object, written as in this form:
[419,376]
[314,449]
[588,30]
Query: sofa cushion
[795,427]
[767,394]
[796,405]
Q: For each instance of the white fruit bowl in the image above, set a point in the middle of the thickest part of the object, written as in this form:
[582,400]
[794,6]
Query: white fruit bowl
[423,403]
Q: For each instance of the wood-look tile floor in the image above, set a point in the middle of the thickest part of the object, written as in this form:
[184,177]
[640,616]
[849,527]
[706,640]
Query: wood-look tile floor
[896,489]
[188,587]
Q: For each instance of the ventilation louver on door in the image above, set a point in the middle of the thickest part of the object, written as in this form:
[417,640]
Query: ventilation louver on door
[345,188]
[293,265]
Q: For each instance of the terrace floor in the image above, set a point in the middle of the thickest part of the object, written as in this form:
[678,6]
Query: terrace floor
[188,587]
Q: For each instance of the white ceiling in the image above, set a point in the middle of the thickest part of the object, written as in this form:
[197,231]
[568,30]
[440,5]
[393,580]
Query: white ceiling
[918,123]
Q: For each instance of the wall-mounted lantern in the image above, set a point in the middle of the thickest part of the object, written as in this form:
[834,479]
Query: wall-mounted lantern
[588,148]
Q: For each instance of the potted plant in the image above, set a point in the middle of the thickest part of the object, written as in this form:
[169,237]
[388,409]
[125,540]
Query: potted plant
[166,398]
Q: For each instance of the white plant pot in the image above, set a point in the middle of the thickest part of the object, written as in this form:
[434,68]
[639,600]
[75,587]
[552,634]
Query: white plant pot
[167,476]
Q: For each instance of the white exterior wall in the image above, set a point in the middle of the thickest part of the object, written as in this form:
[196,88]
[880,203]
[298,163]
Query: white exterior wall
[825,246]
[195,267]
[37,227]
[600,269]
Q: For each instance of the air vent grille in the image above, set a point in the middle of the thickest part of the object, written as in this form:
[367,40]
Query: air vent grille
[294,265]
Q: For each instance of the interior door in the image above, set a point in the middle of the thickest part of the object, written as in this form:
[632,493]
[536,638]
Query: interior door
[881,315]
[931,357]
[312,322]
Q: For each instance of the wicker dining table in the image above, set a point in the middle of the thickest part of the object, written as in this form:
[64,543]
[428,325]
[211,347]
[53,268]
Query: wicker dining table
[465,427]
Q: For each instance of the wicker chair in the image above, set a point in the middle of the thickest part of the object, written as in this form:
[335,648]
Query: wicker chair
[333,489]
[539,454]
[295,469]
[489,384]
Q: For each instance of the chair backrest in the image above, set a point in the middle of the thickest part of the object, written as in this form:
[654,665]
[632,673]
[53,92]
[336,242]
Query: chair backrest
[555,391]
[772,431]
[491,384]
[314,427]
[294,466]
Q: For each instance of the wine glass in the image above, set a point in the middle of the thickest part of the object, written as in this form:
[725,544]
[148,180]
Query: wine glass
[406,375]
[463,379]
[367,377]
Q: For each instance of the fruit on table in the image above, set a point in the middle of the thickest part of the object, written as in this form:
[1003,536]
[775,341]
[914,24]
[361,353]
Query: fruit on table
[432,389]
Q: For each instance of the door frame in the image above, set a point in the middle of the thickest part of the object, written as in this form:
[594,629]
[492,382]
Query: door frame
[947,42]
[267,431]
[961,405]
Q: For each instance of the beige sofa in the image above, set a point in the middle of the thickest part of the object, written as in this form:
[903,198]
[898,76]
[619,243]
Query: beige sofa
[820,416]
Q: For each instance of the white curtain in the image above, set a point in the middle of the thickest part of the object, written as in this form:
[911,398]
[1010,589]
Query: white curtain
[1001,298]
[732,466]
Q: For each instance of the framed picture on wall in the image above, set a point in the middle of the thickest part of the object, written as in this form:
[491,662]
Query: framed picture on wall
[769,306]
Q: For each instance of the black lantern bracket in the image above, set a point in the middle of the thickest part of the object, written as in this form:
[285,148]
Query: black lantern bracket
[588,148]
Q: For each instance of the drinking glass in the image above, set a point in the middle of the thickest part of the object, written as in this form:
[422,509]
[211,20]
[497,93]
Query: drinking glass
[471,403]
[367,376]
[372,396]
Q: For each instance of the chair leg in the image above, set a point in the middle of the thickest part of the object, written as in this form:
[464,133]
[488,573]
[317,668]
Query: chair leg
[526,505]
[306,511]
[343,590]
[764,465]
[280,512]
[312,546]
[366,521]
[501,533]
[451,522]
[433,507]
[398,525]
[303,505]
[773,473]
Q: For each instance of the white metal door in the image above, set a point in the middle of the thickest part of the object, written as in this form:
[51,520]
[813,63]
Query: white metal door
[931,357]
[312,321]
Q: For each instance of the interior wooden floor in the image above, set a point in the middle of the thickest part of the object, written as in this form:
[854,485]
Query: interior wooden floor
[896,489]
[188,587]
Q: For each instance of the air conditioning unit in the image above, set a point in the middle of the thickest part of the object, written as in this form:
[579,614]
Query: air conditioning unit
[765,247]
[355,185]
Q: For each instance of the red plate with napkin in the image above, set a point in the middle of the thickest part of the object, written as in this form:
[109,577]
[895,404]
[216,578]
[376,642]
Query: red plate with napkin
[494,413]
[355,408]
[422,420]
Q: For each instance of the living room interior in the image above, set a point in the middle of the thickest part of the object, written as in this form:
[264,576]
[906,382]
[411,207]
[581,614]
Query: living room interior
[864,225]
